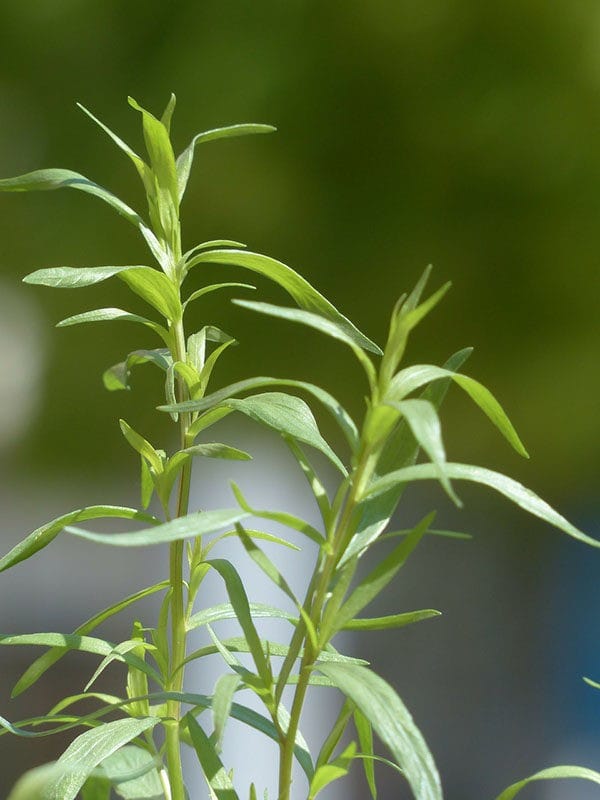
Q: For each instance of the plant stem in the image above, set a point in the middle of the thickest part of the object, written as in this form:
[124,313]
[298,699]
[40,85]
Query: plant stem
[178,616]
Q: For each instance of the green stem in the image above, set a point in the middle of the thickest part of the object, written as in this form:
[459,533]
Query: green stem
[178,615]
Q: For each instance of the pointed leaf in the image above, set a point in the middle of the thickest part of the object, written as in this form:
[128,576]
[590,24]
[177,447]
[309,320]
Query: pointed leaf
[393,724]
[223,695]
[139,163]
[423,420]
[35,671]
[185,160]
[407,380]
[327,773]
[305,295]
[209,616]
[73,277]
[160,150]
[156,289]
[391,621]
[214,771]
[46,533]
[552,773]
[217,450]
[288,415]
[365,737]
[199,523]
[213,287]
[510,488]
[109,314]
[90,749]
[142,446]
[338,412]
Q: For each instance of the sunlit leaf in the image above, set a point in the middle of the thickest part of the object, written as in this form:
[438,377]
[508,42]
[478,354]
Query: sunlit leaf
[156,289]
[552,773]
[223,695]
[327,773]
[338,412]
[46,533]
[35,671]
[411,378]
[212,767]
[117,376]
[199,523]
[305,295]
[510,488]
[391,621]
[288,415]
[87,751]
[185,160]
[73,277]
[217,450]
[110,314]
[393,724]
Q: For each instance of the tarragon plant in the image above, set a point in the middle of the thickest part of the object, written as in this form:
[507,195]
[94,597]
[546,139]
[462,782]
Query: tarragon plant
[137,754]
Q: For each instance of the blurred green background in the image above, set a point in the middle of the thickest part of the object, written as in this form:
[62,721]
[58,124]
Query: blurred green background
[456,132]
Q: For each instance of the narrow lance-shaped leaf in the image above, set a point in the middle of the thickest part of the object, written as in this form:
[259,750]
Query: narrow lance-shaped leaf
[423,420]
[390,621]
[223,695]
[45,534]
[335,408]
[90,749]
[212,767]
[553,773]
[185,160]
[110,314]
[305,295]
[35,671]
[156,289]
[199,523]
[74,277]
[393,724]
[411,378]
[319,323]
[510,488]
[288,415]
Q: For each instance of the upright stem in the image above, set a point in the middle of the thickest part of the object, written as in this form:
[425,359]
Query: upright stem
[178,619]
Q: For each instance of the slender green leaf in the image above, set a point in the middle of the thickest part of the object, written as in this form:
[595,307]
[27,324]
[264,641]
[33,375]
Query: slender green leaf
[74,277]
[327,773]
[510,488]
[156,289]
[223,694]
[160,150]
[411,378]
[337,731]
[371,586]
[46,533]
[48,179]
[217,450]
[288,415]
[239,601]
[423,420]
[365,737]
[167,114]
[110,314]
[208,616]
[317,322]
[317,488]
[196,524]
[393,724]
[86,644]
[552,773]
[138,162]
[391,621]
[35,671]
[289,520]
[340,415]
[185,160]
[213,287]
[212,244]
[206,420]
[305,295]
[214,771]
[142,446]
[90,749]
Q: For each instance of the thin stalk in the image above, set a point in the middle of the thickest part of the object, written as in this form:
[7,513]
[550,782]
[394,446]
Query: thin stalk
[339,537]
[178,614]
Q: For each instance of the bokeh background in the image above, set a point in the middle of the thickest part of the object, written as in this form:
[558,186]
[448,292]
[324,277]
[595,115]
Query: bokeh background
[456,132]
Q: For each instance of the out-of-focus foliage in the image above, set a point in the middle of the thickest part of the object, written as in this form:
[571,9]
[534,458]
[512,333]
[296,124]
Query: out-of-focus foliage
[456,132]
